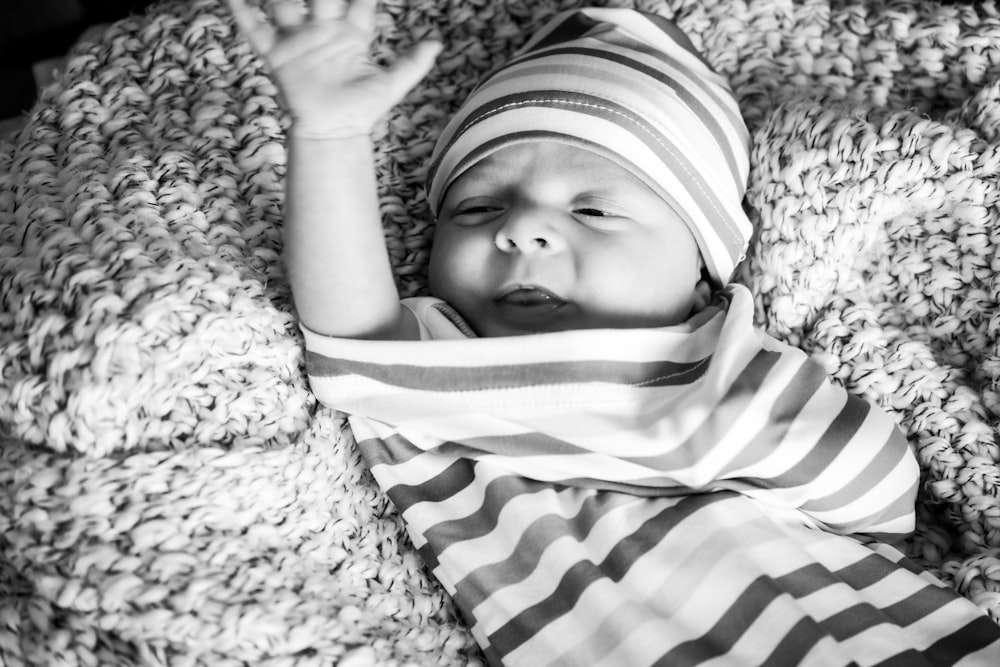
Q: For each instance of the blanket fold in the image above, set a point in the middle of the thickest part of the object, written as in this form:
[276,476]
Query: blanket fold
[583,502]
[704,406]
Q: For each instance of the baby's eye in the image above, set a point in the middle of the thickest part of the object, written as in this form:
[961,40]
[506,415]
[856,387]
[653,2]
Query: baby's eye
[600,217]
[597,207]
[593,212]
[476,210]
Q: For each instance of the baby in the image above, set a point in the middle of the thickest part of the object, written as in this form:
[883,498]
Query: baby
[594,451]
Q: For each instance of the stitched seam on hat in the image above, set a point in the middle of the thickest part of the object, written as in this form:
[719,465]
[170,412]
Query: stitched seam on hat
[729,227]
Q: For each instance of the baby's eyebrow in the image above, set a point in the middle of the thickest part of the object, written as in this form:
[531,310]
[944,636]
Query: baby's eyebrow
[478,178]
[489,168]
[601,190]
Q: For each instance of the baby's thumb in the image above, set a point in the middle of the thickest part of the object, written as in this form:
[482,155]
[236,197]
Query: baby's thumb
[409,70]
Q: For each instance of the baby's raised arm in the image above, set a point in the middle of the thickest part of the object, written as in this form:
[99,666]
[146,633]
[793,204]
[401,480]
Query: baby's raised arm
[335,252]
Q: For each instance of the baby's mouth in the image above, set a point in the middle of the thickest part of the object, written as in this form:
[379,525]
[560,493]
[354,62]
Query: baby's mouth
[528,303]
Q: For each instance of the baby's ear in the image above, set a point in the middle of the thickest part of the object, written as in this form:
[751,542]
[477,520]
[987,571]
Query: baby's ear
[702,296]
[702,292]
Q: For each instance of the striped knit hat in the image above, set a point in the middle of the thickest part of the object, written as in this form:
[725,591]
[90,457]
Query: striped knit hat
[629,87]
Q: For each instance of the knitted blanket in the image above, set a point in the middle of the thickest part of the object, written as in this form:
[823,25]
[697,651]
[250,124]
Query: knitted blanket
[170,492]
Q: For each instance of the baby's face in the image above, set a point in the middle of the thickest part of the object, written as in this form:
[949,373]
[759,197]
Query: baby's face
[547,237]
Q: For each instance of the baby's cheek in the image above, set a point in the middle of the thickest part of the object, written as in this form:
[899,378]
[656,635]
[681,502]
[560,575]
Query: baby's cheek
[457,262]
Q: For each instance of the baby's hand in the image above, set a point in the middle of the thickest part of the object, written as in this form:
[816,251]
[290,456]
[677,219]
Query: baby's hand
[320,58]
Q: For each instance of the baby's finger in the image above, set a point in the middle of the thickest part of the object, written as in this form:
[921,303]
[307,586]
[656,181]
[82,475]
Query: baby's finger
[362,13]
[327,10]
[409,70]
[259,33]
[288,14]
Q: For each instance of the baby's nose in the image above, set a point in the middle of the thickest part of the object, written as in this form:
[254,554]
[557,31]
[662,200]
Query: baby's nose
[529,230]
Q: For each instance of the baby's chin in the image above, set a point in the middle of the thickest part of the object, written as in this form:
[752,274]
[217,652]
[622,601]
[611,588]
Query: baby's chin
[504,322]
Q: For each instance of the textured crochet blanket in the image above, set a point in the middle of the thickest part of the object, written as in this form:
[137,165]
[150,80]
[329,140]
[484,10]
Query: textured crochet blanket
[170,492]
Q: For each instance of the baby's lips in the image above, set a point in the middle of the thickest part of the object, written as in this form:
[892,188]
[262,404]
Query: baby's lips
[529,306]
[531,296]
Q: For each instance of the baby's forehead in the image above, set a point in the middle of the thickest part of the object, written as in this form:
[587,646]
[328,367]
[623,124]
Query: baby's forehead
[549,158]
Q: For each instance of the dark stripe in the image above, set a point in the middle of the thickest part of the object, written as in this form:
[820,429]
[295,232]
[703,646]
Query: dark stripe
[908,564]
[867,572]
[733,623]
[795,645]
[658,486]
[486,580]
[807,580]
[743,612]
[706,116]
[891,451]
[909,658]
[808,378]
[483,519]
[855,619]
[976,635]
[920,604]
[429,555]
[452,479]
[493,657]
[830,445]
[523,626]
[513,446]
[388,451]
[510,376]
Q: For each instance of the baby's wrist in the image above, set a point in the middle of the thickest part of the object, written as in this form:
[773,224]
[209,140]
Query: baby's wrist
[327,133]
[329,126]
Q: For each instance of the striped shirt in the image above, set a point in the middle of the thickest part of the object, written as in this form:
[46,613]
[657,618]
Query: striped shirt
[692,495]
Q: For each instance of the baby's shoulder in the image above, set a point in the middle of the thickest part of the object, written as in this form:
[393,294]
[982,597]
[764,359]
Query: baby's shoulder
[437,319]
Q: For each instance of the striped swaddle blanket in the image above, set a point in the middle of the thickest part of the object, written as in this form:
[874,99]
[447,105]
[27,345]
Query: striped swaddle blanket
[698,494]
